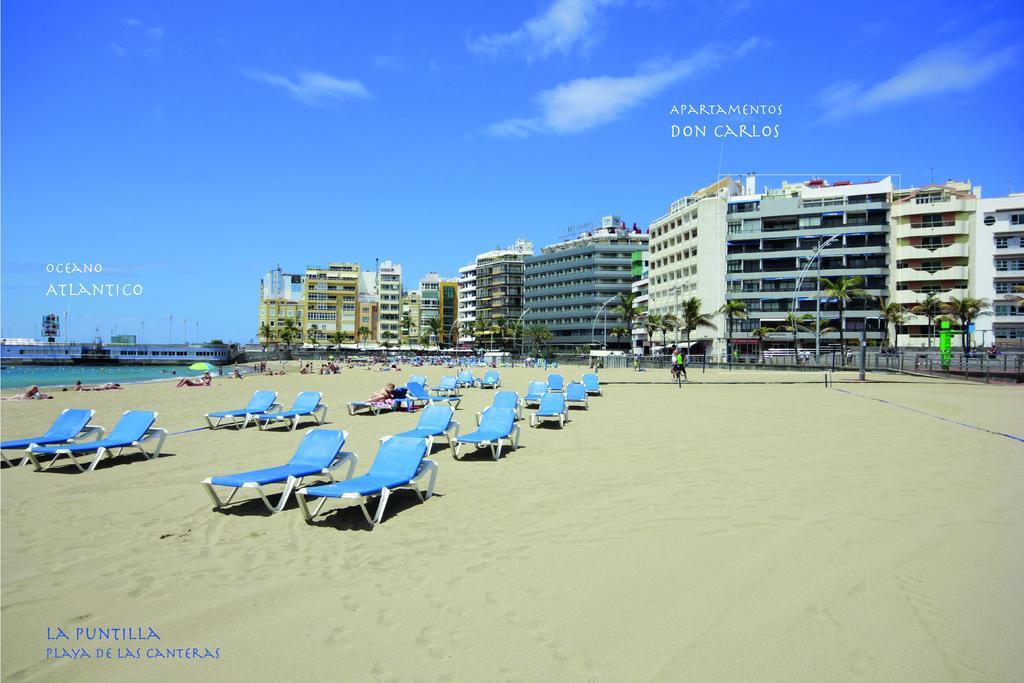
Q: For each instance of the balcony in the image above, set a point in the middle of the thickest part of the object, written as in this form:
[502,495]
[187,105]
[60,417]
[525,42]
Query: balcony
[918,230]
[910,297]
[923,205]
[952,273]
[958,250]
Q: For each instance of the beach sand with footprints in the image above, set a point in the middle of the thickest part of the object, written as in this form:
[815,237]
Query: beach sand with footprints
[737,528]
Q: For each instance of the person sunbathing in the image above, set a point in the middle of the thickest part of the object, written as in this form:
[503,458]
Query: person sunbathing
[102,387]
[386,393]
[203,381]
[32,393]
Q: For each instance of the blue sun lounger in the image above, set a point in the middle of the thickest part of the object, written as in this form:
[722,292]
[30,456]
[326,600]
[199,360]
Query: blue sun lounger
[535,393]
[465,379]
[490,380]
[307,404]
[319,453]
[496,425]
[592,383]
[435,421]
[400,463]
[261,402]
[449,386]
[70,426]
[552,408]
[556,383]
[418,379]
[418,394]
[576,395]
[505,399]
[133,429]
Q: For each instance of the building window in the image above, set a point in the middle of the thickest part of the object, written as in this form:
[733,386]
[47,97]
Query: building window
[1017,219]
[1002,242]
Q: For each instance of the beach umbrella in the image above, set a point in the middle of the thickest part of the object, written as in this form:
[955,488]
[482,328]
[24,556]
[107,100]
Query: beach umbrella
[201,366]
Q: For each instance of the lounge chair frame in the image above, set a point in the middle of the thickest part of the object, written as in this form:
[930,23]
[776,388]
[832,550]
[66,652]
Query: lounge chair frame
[264,420]
[427,467]
[290,484]
[495,446]
[152,433]
[95,431]
[237,421]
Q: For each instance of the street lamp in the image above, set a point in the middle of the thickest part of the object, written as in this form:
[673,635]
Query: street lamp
[593,328]
[815,257]
[522,331]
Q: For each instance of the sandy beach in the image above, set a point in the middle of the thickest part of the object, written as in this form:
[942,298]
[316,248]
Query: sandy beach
[738,528]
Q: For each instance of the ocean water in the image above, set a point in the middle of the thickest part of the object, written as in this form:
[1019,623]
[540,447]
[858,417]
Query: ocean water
[20,376]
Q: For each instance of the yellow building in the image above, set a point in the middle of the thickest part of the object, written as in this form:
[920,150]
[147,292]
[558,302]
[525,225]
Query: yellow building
[331,303]
[411,317]
[448,310]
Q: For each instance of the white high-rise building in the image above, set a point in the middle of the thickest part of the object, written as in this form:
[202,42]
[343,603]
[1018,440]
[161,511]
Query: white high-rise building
[999,270]
[687,259]
[389,293]
[491,288]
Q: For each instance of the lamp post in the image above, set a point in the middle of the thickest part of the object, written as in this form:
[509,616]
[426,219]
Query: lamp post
[522,331]
[815,257]
[593,328]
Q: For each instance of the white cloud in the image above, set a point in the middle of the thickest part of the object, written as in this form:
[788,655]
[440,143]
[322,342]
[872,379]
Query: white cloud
[949,68]
[585,103]
[138,38]
[565,25]
[312,87]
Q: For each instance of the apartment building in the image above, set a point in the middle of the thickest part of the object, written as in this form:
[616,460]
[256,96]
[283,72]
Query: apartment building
[774,234]
[440,301]
[687,259]
[491,288]
[467,302]
[282,298]
[389,298]
[1000,270]
[571,287]
[933,240]
[412,303]
[331,298]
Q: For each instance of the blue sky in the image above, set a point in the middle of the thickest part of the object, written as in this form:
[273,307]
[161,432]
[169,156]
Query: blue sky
[191,146]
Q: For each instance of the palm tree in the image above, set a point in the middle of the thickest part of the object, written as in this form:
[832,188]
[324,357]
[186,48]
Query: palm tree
[965,311]
[693,318]
[669,322]
[363,333]
[759,334]
[424,339]
[733,308]
[434,326]
[618,333]
[652,323]
[267,332]
[481,328]
[406,324]
[289,330]
[338,338]
[627,308]
[538,334]
[386,338]
[499,326]
[311,335]
[515,330]
[895,315]
[844,290]
[796,323]
[930,308]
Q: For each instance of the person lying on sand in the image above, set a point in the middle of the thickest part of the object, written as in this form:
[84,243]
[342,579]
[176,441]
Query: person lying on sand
[203,381]
[30,394]
[100,387]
